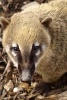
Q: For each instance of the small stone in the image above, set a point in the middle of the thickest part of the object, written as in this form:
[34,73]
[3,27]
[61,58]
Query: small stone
[9,86]
[16,89]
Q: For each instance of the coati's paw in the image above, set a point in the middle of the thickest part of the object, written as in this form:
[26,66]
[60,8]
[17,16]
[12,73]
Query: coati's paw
[42,88]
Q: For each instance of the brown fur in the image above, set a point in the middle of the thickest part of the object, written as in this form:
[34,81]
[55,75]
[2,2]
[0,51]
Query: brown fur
[33,25]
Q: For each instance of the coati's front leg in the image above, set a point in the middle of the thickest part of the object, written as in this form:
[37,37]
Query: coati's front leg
[45,88]
[42,87]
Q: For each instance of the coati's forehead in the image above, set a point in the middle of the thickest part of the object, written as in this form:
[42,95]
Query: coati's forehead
[27,28]
[28,36]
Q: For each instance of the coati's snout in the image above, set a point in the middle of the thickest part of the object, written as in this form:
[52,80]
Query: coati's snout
[26,67]
[24,61]
[26,73]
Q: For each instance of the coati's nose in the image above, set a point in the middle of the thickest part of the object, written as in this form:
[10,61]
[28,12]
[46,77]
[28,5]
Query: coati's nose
[26,76]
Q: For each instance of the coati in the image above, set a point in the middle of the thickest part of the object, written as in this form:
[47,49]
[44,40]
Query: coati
[36,40]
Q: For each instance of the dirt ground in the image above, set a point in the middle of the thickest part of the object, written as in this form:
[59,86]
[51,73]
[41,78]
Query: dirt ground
[11,88]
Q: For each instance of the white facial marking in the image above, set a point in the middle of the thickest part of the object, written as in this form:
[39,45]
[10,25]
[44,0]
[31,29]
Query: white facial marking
[16,64]
[37,53]
[10,55]
[13,53]
[14,45]
[43,46]
[21,49]
[36,64]
[36,44]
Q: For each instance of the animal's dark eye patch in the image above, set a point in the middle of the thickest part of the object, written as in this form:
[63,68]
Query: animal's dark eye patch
[35,52]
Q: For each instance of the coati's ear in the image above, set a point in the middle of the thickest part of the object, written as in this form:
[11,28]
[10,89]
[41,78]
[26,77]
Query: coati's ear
[4,22]
[46,21]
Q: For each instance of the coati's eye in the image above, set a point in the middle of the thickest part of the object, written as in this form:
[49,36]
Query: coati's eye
[36,48]
[14,49]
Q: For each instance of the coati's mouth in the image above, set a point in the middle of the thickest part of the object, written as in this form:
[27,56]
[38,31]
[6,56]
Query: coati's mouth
[26,74]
